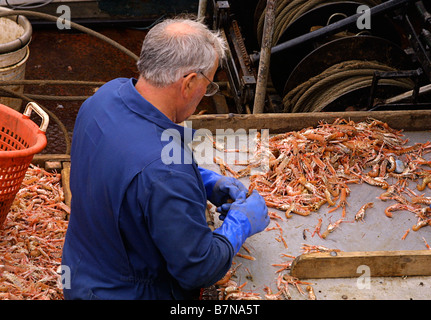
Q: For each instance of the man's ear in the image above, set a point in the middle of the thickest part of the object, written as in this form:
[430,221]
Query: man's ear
[188,84]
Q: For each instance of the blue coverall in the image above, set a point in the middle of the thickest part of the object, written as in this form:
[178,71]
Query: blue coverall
[137,226]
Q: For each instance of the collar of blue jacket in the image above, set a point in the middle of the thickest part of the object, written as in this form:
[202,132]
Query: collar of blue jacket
[138,104]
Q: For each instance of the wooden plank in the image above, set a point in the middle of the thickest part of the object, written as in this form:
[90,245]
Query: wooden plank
[65,181]
[41,159]
[346,264]
[410,120]
[53,166]
[407,95]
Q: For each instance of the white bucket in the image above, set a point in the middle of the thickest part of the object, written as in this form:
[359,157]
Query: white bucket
[15,34]
[14,72]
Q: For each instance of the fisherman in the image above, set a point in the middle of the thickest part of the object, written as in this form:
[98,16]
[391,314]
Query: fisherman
[137,226]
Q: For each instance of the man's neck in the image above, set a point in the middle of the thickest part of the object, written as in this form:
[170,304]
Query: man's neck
[160,98]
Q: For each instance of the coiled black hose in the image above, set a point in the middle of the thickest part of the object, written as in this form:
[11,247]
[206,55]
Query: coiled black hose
[288,11]
[318,92]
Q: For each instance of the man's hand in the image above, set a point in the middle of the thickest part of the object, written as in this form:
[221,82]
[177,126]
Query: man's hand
[254,208]
[226,188]
[246,217]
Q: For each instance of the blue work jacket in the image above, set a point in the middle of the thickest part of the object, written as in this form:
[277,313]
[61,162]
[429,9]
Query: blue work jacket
[137,226]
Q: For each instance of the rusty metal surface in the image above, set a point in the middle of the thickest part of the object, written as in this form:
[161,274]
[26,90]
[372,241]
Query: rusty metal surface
[59,55]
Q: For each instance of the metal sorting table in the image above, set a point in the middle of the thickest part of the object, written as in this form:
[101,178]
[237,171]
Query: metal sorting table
[377,233]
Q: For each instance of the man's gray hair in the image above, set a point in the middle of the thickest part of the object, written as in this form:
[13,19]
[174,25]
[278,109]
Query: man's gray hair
[167,56]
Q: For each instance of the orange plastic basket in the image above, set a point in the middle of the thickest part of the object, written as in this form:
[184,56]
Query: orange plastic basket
[20,140]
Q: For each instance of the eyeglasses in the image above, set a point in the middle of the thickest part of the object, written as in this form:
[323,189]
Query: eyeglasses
[212,88]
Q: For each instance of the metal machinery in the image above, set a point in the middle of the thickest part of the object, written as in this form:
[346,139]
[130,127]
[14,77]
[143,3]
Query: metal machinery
[323,58]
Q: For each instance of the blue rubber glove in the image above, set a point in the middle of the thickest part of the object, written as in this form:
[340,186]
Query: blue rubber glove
[223,210]
[226,188]
[209,178]
[246,217]
[220,188]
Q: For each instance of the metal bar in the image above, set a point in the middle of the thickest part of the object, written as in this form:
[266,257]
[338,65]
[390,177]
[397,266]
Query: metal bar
[426,36]
[202,9]
[408,94]
[233,74]
[265,57]
[394,75]
[426,16]
[418,47]
[334,27]
[401,107]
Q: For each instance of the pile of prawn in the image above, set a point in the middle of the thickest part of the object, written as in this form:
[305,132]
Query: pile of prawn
[230,290]
[31,239]
[315,166]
